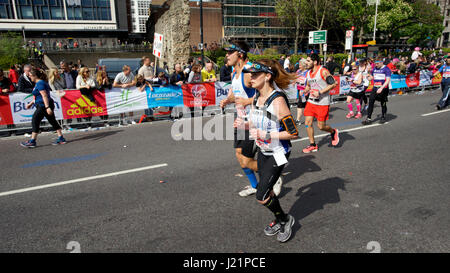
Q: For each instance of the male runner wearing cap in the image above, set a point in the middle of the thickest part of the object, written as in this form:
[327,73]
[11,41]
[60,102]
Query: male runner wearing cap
[242,95]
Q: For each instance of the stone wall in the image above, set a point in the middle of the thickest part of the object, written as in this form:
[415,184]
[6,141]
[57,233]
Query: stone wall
[174,26]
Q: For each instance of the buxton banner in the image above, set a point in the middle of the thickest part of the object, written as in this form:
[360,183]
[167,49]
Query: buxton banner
[19,101]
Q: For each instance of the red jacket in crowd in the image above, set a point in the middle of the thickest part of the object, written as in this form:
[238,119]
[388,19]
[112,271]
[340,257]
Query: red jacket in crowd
[13,76]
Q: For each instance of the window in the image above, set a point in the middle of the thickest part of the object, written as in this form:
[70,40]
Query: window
[5,10]
[92,10]
[40,9]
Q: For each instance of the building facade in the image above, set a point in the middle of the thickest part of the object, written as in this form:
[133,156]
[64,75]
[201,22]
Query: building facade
[59,18]
[444,40]
[254,21]
[140,11]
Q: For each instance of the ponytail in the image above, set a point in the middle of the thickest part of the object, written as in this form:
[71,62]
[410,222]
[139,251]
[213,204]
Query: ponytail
[280,77]
[39,74]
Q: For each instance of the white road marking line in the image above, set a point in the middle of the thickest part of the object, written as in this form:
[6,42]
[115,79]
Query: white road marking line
[437,112]
[78,180]
[342,131]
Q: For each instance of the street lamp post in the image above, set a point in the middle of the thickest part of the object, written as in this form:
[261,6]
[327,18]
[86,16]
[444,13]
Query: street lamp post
[201,31]
[375,24]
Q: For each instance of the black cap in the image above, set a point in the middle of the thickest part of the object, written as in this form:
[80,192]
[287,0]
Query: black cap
[234,47]
[258,67]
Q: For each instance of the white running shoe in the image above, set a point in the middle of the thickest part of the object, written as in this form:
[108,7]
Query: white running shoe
[277,186]
[248,190]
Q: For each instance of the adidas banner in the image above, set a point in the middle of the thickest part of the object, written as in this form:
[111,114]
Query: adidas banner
[76,105]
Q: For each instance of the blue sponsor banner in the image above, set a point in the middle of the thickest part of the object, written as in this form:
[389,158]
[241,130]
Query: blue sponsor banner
[169,96]
[398,81]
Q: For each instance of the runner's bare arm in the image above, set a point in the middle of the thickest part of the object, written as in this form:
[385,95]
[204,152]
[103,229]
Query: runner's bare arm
[325,75]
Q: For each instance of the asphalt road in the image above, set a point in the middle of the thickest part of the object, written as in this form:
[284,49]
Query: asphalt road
[387,184]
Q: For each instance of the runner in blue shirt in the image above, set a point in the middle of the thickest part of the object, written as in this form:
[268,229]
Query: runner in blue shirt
[44,108]
[445,84]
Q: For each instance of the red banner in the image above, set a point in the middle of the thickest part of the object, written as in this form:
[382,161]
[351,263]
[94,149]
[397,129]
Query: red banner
[335,91]
[413,80]
[5,111]
[203,94]
[75,105]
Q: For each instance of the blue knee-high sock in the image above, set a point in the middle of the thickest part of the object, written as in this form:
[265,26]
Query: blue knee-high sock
[251,176]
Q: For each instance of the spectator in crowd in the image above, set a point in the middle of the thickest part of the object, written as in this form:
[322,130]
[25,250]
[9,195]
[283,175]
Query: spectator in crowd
[147,69]
[162,79]
[287,63]
[102,80]
[393,65]
[178,77]
[225,72]
[281,60]
[141,84]
[86,84]
[332,66]
[68,75]
[416,54]
[125,79]
[26,85]
[55,80]
[57,84]
[75,68]
[6,85]
[195,76]
[208,73]
[14,76]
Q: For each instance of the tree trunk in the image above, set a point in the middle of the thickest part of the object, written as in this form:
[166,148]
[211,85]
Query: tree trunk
[360,36]
[297,30]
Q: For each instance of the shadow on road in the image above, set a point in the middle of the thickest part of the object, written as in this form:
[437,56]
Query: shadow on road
[314,197]
[97,136]
[343,137]
[296,168]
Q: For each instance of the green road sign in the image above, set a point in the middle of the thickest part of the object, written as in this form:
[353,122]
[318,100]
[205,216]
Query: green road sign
[318,37]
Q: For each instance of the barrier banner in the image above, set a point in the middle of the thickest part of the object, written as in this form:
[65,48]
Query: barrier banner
[397,81]
[437,79]
[425,78]
[166,96]
[335,91]
[203,94]
[75,105]
[222,90]
[119,100]
[344,85]
[5,111]
[19,101]
[413,80]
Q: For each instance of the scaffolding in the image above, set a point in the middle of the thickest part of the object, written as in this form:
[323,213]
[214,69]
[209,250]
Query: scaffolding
[254,21]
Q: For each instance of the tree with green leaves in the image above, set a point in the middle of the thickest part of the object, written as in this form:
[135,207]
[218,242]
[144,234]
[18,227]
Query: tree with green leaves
[12,50]
[291,13]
